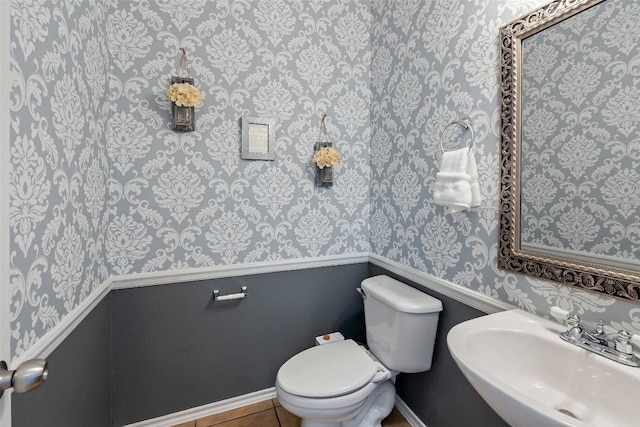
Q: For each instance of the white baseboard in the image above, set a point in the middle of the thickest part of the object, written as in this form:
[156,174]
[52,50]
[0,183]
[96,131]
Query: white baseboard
[245,400]
[408,414]
[206,410]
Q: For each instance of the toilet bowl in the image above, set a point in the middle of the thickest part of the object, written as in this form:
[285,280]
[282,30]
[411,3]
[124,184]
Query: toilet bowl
[337,384]
[344,384]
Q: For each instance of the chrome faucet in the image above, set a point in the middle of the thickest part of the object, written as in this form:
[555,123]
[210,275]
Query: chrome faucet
[597,336]
[619,349]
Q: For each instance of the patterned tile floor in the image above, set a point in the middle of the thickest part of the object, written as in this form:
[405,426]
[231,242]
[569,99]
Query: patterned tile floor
[269,413]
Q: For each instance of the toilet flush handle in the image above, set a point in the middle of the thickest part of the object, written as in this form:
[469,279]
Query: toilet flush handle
[361,292]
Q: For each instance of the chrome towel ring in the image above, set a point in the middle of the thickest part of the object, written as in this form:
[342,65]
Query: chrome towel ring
[465,123]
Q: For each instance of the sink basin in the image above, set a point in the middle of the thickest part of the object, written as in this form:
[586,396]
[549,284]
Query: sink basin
[531,377]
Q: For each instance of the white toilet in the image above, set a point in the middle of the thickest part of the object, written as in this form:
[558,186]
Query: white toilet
[342,384]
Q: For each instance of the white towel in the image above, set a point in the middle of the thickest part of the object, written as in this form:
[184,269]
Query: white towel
[456,186]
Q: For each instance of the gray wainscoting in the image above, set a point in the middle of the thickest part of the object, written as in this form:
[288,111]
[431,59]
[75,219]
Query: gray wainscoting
[77,392]
[174,349]
[442,397]
[151,351]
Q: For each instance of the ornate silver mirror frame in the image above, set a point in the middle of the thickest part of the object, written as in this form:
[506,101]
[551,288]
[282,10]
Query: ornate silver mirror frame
[611,280]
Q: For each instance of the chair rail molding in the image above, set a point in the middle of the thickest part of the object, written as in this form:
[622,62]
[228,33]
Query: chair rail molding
[459,293]
[54,337]
[217,272]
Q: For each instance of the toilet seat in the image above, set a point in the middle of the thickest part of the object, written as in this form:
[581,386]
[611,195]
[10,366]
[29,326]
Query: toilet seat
[328,370]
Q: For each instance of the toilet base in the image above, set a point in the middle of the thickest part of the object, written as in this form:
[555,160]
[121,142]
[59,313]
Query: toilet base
[376,407]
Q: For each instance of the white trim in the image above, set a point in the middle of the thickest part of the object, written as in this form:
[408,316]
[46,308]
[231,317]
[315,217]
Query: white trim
[5,240]
[206,410]
[408,414]
[466,296]
[50,341]
[241,401]
[216,272]
[54,337]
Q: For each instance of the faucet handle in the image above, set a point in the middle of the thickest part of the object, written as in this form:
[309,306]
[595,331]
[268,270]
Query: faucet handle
[600,327]
[623,343]
[599,332]
[559,315]
[573,321]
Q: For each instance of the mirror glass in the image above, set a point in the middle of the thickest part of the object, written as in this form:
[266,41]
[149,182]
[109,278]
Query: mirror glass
[580,146]
[571,145]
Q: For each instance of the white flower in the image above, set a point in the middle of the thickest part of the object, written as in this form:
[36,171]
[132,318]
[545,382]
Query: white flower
[184,95]
[326,157]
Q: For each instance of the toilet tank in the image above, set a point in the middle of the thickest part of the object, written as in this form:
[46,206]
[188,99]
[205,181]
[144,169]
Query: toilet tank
[401,323]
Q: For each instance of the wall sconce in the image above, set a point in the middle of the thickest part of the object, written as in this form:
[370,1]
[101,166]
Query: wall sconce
[29,375]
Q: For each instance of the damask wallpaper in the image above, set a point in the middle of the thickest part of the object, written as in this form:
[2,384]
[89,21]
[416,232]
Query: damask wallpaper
[100,179]
[183,200]
[101,186]
[435,62]
[580,155]
[58,166]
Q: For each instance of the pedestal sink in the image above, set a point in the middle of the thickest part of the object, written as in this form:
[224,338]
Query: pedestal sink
[531,378]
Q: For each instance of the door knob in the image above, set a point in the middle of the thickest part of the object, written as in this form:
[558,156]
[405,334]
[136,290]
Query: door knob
[26,377]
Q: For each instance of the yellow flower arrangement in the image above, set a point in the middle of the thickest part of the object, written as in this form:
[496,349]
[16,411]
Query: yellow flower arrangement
[184,95]
[326,157]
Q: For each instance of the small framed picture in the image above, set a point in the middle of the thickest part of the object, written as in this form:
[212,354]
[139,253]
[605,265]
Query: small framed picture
[258,138]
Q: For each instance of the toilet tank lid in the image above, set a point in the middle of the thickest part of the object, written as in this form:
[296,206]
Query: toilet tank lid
[400,296]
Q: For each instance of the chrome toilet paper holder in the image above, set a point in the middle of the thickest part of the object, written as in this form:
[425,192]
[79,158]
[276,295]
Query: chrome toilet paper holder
[217,297]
